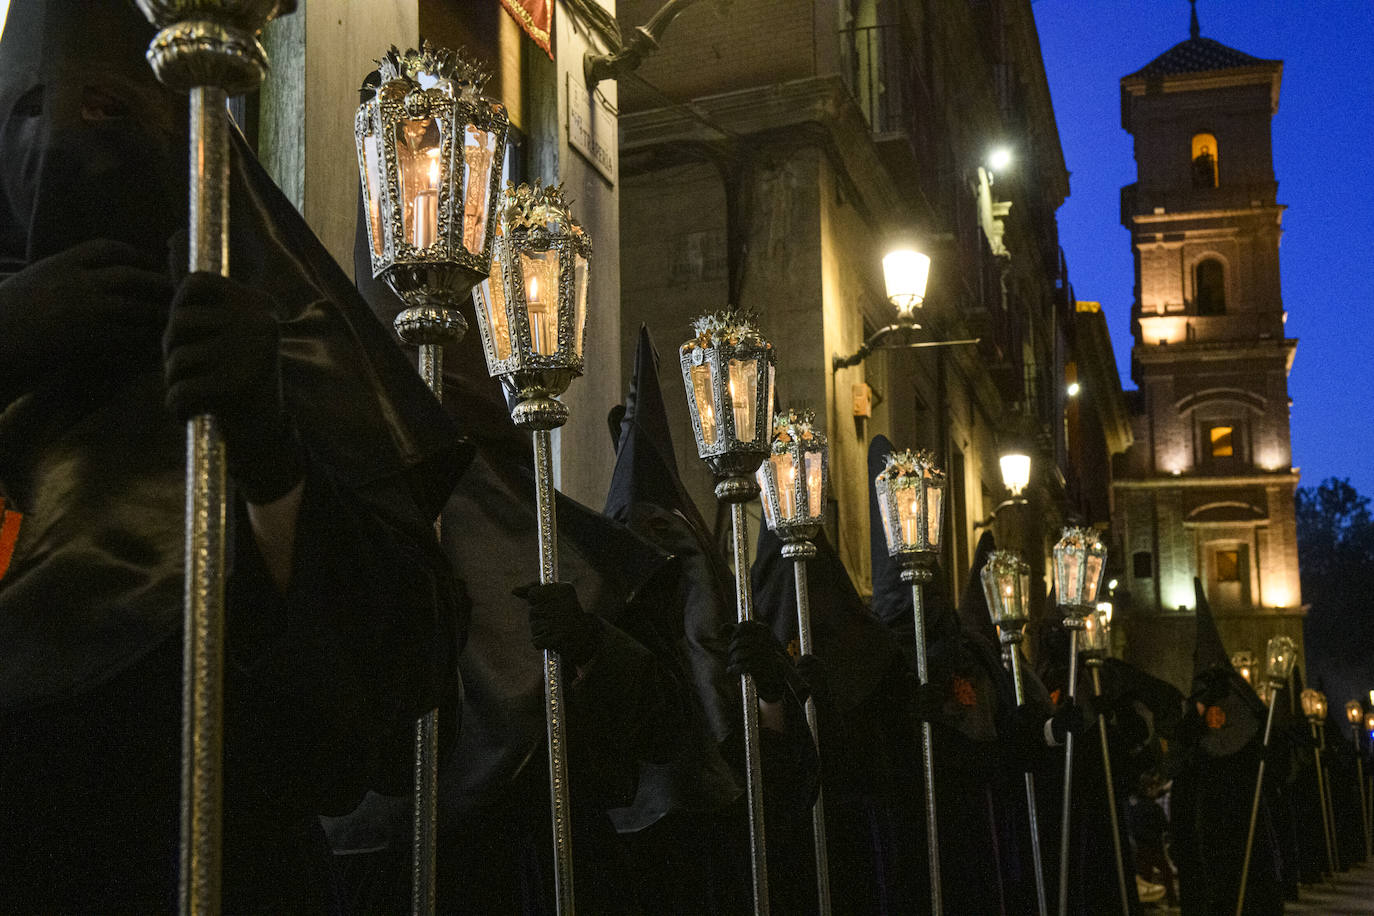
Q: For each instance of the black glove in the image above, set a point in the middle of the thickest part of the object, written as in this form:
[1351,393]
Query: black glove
[1070,718]
[558,623]
[221,353]
[755,651]
[814,675]
[96,307]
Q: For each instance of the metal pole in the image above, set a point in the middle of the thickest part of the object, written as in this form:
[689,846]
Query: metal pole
[917,576]
[1364,813]
[1330,802]
[202,709]
[753,761]
[1067,810]
[1111,798]
[1043,909]
[209,53]
[1254,808]
[560,805]
[805,648]
[1321,801]
[431,328]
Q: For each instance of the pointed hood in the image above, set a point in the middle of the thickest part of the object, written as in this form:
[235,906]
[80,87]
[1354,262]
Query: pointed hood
[891,596]
[854,645]
[91,145]
[1232,712]
[645,467]
[1208,652]
[974,615]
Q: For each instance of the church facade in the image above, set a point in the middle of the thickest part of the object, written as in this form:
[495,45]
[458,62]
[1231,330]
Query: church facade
[1207,488]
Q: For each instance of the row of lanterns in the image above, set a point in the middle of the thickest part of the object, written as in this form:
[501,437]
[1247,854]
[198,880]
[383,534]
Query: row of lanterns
[430,149]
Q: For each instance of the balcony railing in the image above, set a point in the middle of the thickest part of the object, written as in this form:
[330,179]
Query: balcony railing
[873,62]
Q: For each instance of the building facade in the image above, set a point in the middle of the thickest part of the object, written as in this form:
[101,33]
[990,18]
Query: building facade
[1207,489]
[773,151]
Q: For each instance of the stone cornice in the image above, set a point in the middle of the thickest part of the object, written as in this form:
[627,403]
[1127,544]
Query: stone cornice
[1171,481]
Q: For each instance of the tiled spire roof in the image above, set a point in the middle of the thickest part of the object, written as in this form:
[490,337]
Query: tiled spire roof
[1198,55]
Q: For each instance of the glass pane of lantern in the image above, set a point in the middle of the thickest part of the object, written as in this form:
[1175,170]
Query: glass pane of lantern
[706,412]
[492,296]
[541,299]
[885,510]
[1093,577]
[761,475]
[418,142]
[579,302]
[935,499]
[909,513]
[744,393]
[1068,568]
[771,372]
[815,499]
[479,152]
[785,473]
[372,165]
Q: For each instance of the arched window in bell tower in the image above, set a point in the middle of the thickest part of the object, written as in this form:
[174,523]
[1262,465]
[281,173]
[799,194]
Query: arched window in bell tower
[1209,278]
[1205,170]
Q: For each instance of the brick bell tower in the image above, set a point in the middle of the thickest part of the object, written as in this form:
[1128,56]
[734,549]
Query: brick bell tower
[1207,489]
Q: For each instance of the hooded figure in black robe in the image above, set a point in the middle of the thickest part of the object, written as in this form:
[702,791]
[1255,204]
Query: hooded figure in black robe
[1222,735]
[610,617]
[971,706]
[861,687]
[336,637]
[688,827]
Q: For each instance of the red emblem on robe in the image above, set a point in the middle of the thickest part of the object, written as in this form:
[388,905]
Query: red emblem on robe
[9,536]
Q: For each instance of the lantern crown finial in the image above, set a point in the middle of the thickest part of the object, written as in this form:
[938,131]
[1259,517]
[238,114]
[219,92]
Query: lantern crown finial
[792,426]
[423,68]
[727,326]
[534,207]
[1005,563]
[910,463]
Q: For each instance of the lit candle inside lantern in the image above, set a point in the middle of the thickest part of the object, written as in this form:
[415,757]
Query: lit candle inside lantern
[743,397]
[786,473]
[427,207]
[701,390]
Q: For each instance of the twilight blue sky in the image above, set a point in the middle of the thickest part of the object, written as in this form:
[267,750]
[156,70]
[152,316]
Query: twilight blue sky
[1323,160]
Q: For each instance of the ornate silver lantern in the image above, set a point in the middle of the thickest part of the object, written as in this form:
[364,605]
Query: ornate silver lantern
[1097,637]
[1280,654]
[430,148]
[1079,559]
[1006,586]
[532,310]
[727,369]
[795,480]
[911,501]
[794,484]
[1244,663]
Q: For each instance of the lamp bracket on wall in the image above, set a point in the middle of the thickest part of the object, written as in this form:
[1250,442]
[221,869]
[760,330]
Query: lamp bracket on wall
[894,337]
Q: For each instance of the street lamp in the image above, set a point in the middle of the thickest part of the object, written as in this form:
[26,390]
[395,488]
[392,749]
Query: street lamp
[911,501]
[1015,462]
[430,147]
[1097,646]
[1079,558]
[1280,655]
[727,370]
[905,274]
[1006,586]
[794,484]
[532,315]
